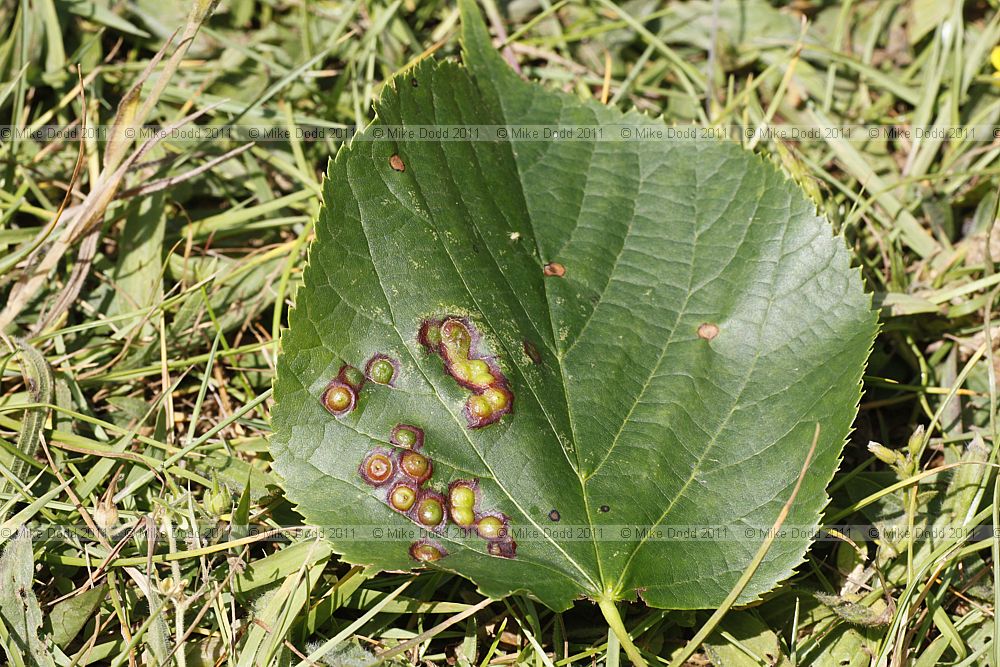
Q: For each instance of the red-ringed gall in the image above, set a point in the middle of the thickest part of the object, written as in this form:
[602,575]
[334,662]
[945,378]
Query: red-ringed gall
[377,468]
[415,465]
[406,436]
[491,527]
[427,551]
[381,369]
[462,516]
[402,497]
[339,398]
[430,510]
[456,339]
[462,495]
[498,398]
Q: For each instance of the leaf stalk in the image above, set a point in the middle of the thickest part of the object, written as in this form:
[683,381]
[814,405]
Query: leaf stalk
[614,620]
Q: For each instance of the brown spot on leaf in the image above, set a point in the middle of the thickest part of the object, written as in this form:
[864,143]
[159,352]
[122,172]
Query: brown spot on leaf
[502,549]
[708,331]
[605,509]
[554,269]
[396,163]
[531,350]
[554,515]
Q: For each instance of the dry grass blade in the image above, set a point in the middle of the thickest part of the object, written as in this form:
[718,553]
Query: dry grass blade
[103,190]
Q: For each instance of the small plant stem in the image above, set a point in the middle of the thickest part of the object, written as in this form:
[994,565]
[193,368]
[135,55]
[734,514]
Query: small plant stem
[614,619]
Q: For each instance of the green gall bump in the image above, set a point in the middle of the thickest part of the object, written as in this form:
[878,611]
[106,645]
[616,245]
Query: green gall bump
[480,373]
[491,397]
[430,335]
[463,496]
[381,369]
[405,436]
[430,512]
[427,552]
[456,338]
[352,376]
[490,528]
[463,516]
[402,497]
[338,398]
[461,371]
[498,398]
[480,408]
[416,465]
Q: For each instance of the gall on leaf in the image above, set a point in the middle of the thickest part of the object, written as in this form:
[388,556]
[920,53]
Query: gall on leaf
[416,466]
[402,497]
[429,509]
[378,467]
[381,369]
[427,551]
[456,340]
[684,233]
[339,398]
[407,436]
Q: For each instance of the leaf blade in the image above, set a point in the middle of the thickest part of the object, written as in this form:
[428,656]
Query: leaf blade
[655,243]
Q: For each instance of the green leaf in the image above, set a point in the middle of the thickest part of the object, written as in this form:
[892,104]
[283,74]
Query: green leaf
[139,272]
[671,318]
[743,640]
[98,13]
[20,613]
[71,615]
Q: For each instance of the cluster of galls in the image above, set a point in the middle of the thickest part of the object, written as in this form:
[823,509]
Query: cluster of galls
[494,527]
[400,475]
[341,396]
[455,340]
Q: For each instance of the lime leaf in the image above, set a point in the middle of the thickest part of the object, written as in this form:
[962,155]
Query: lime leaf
[578,348]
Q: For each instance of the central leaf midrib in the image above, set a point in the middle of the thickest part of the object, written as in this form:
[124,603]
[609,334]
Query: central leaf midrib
[562,374]
[444,404]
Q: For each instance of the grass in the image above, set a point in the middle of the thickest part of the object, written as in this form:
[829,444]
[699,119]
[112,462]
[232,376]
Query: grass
[144,284]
